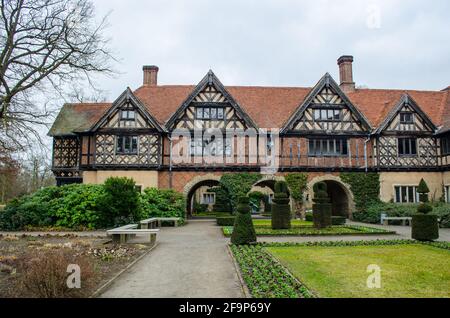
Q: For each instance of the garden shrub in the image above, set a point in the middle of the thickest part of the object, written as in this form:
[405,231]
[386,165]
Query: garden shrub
[225,220]
[424,225]
[80,206]
[43,274]
[243,230]
[321,206]
[238,185]
[338,220]
[162,203]
[372,213]
[74,205]
[223,202]
[309,216]
[199,208]
[120,203]
[256,198]
[281,211]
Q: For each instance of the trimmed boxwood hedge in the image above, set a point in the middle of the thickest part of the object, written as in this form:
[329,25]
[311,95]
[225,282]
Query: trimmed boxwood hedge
[424,227]
[244,232]
[225,220]
[338,220]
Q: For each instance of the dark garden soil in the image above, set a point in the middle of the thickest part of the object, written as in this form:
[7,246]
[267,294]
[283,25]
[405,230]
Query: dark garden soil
[105,258]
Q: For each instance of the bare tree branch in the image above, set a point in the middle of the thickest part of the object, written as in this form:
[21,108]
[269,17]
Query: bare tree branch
[45,44]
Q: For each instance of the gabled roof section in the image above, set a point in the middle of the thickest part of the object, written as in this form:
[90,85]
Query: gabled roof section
[406,99]
[77,117]
[127,97]
[210,79]
[326,81]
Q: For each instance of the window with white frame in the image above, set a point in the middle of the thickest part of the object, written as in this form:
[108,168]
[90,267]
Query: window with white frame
[447,194]
[127,114]
[201,147]
[406,194]
[208,198]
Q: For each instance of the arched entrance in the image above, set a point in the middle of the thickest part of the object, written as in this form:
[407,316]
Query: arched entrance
[266,186]
[341,197]
[198,185]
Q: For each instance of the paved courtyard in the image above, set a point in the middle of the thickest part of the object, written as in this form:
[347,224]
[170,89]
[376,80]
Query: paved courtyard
[189,261]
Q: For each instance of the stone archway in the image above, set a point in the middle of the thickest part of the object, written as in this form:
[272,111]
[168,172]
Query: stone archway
[341,196]
[209,180]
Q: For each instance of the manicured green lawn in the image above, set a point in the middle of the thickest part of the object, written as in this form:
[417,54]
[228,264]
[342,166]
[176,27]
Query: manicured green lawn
[413,270]
[310,231]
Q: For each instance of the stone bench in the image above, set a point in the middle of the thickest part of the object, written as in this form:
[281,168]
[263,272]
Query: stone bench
[385,219]
[151,223]
[124,233]
[174,220]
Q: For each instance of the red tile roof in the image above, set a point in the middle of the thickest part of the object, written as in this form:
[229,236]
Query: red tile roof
[268,106]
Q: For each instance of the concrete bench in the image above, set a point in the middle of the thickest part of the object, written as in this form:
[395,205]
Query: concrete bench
[124,233]
[174,220]
[385,219]
[149,223]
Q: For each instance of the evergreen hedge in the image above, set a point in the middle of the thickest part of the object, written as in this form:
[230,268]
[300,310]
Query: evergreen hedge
[424,225]
[321,206]
[243,230]
[281,210]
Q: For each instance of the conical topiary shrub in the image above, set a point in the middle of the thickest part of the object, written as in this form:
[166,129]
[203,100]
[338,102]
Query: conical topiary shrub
[243,230]
[321,206]
[281,210]
[425,226]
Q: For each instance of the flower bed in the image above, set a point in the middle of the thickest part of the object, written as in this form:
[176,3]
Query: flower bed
[265,277]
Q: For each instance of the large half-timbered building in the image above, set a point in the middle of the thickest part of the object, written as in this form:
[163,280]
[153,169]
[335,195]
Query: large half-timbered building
[322,130]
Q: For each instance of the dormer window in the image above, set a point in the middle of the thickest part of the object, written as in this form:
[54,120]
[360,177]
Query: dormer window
[406,118]
[127,114]
[209,113]
[321,114]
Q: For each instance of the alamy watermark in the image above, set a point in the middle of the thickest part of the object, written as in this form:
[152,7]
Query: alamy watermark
[236,147]
[74,279]
[374,278]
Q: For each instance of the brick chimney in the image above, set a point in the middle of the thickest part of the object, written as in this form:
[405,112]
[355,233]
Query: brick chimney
[345,63]
[150,75]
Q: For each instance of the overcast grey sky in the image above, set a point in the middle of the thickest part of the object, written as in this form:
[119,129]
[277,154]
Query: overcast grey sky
[396,43]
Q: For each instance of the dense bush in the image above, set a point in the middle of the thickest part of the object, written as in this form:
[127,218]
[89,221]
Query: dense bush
[372,213]
[223,202]
[198,207]
[80,206]
[225,220]
[309,216]
[281,210]
[243,230]
[72,206]
[162,203]
[120,202]
[238,185]
[424,225]
[338,220]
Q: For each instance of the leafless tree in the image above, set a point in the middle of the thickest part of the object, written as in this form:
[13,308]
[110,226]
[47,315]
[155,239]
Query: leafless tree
[45,46]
